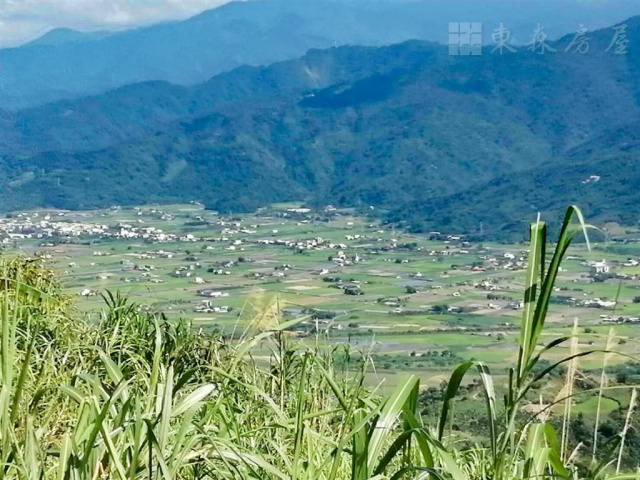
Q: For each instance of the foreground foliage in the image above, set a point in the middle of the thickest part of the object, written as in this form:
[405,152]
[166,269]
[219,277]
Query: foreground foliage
[137,397]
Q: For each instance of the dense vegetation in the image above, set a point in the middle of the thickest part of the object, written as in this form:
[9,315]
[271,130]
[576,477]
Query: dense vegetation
[427,138]
[133,396]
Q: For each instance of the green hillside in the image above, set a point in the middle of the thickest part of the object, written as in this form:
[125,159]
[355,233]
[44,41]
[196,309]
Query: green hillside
[406,128]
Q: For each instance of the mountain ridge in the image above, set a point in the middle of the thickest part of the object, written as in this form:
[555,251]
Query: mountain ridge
[69,65]
[406,128]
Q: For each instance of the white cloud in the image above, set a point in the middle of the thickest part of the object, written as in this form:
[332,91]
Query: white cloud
[24,20]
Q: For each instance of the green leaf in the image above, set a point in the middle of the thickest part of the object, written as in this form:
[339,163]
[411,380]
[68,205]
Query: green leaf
[452,388]
[388,417]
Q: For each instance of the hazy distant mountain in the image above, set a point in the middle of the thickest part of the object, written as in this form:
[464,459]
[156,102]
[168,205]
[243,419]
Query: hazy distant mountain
[68,64]
[65,36]
[434,140]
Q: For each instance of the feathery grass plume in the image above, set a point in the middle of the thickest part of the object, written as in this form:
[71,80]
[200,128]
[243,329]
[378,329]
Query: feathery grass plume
[627,423]
[567,389]
[603,382]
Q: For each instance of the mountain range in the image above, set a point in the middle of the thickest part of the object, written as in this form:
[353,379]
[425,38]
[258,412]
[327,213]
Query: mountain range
[65,64]
[475,145]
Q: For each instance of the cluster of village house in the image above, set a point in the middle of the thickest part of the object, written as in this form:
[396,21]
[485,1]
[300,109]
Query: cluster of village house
[44,226]
[306,244]
[508,261]
[207,307]
[50,226]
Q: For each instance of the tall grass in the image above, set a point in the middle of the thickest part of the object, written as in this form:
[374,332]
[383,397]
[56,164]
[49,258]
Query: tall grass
[134,396]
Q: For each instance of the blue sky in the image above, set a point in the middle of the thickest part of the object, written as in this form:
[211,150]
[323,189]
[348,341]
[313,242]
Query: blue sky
[24,20]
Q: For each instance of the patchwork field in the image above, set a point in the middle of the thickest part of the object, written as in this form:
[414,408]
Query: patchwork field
[416,302]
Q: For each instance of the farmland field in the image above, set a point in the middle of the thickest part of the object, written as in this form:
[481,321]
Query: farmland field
[418,303]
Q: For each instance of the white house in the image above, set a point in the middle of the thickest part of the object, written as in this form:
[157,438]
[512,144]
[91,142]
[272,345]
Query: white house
[600,267]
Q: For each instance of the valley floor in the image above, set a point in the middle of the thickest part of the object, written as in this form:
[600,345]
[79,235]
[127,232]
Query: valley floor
[415,302]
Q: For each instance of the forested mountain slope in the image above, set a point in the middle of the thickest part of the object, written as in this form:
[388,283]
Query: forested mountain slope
[406,128]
